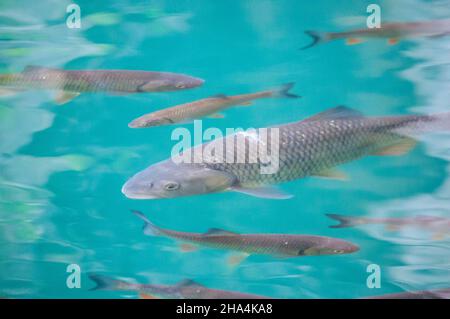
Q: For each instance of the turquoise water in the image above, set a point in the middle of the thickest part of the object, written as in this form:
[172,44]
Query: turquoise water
[62,167]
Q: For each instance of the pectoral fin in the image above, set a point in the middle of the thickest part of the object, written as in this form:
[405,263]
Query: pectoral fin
[439,236]
[216,116]
[63,97]
[262,192]
[353,41]
[404,146]
[392,227]
[8,92]
[186,248]
[393,41]
[236,259]
[146,296]
[332,174]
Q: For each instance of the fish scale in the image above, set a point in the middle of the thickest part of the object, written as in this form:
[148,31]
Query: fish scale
[308,147]
[206,107]
[270,244]
[312,147]
[35,77]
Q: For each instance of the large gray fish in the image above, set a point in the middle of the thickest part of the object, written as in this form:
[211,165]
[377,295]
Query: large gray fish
[281,245]
[312,147]
[205,107]
[71,83]
[391,31]
[186,289]
[421,294]
[439,226]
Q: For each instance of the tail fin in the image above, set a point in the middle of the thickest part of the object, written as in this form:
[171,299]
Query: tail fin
[317,37]
[107,283]
[346,221]
[149,228]
[283,91]
[426,123]
[441,122]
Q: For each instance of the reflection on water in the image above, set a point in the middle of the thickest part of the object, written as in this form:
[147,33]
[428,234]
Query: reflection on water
[424,261]
[61,168]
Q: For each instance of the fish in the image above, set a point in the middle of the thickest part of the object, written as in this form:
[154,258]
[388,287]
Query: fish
[71,83]
[311,147]
[185,289]
[206,107]
[391,31]
[280,245]
[439,226]
[421,294]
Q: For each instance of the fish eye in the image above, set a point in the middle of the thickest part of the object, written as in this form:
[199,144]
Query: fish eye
[171,186]
[180,85]
[338,251]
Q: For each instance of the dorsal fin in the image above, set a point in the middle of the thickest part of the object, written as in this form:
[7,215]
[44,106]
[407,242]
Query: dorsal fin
[187,283]
[338,112]
[219,96]
[219,232]
[35,68]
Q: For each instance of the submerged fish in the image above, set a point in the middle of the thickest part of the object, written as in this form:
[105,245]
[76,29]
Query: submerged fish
[421,294]
[392,31]
[71,83]
[311,147]
[205,107]
[282,245]
[440,226]
[186,289]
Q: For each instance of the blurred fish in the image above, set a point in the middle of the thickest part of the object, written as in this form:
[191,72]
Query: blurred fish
[209,106]
[186,289]
[440,226]
[392,31]
[71,83]
[423,294]
[281,245]
[312,147]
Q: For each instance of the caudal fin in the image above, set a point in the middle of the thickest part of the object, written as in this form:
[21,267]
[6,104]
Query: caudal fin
[426,123]
[149,228]
[283,91]
[107,283]
[346,221]
[441,122]
[317,37]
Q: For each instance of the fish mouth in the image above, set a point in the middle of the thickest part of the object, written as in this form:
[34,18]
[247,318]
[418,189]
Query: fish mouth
[195,82]
[135,124]
[135,195]
[352,249]
[199,81]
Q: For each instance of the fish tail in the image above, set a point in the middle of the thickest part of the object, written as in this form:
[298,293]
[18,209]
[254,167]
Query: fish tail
[149,228]
[283,91]
[427,123]
[441,122]
[107,283]
[3,78]
[317,38]
[346,221]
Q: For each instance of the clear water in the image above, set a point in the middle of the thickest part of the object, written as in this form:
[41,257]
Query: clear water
[62,168]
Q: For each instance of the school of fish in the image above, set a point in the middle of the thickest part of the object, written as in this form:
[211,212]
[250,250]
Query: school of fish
[314,146]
